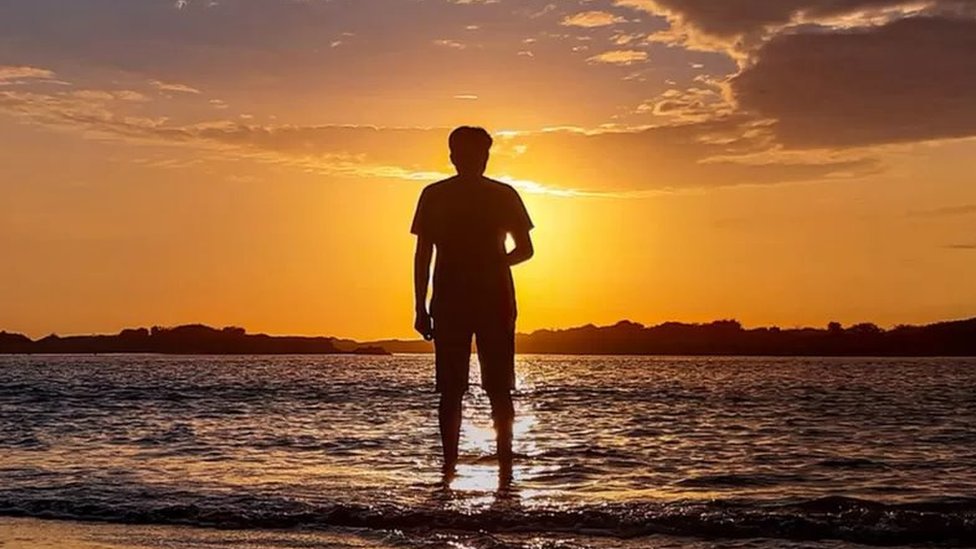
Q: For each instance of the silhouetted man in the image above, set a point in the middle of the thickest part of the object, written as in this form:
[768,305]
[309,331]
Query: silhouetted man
[468,218]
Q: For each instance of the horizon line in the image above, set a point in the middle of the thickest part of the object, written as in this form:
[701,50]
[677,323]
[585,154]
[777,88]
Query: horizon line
[551,329]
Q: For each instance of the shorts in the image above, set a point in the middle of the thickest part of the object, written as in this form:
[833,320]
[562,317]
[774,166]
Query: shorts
[495,338]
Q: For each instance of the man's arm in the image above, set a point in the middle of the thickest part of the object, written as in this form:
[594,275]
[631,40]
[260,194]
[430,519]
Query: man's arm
[523,250]
[421,278]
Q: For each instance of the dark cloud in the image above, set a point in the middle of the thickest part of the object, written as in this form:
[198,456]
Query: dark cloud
[732,18]
[911,80]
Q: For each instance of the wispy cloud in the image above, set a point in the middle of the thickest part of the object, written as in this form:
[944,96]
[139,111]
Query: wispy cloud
[173,87]
[620,57]
[946,211]
[590,19]
[445,43]
[708,99]
[111,95]
[19,74]
[606,161]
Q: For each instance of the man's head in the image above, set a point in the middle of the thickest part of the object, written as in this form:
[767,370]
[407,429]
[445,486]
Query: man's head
[469,150]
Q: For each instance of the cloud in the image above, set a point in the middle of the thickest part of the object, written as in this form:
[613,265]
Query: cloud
[20,74]
[832,73]
[563,161]
[743,24]
[623,38]
[910,80]
[111,95]
[961,246]
[719,152]
[88,111]
[947,211]
[445,43]
[619,57]
[705,101]
[590,19]
[173,87]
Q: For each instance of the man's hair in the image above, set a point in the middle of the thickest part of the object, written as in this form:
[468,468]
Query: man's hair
[467,139]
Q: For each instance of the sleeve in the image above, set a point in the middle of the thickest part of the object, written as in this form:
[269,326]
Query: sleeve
[421,218]
[519,219]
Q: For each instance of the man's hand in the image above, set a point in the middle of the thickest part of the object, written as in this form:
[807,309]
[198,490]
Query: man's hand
[421,276]
[424,325]
[523,248]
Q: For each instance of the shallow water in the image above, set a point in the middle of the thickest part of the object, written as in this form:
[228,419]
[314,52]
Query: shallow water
[611,449]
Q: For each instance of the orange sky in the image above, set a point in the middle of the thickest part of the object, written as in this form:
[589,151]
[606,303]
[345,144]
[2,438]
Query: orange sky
[257,163]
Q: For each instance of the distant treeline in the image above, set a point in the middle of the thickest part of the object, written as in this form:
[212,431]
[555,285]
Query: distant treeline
[728,337]
[724,337]
[190,339]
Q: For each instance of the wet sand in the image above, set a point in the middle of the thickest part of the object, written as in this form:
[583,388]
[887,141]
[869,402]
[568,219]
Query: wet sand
[17,533]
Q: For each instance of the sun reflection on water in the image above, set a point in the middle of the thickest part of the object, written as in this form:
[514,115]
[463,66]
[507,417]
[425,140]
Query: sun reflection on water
[477,477]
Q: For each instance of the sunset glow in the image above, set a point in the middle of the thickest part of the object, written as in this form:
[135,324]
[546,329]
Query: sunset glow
[258,163]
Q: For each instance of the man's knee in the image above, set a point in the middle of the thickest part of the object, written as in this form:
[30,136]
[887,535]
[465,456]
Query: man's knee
[451,399]
[502,408]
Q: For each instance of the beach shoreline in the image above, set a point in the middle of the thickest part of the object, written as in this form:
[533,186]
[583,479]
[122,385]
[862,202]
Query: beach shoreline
[33,533]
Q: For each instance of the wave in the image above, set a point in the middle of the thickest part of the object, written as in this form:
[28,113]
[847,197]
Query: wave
[738,480]
[852,463]
[947,522]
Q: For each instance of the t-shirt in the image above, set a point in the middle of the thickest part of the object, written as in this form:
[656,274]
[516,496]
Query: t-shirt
[468,220]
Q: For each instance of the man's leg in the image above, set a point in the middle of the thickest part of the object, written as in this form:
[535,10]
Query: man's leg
[503,415]
[449,416]
[452,351]
[496,351]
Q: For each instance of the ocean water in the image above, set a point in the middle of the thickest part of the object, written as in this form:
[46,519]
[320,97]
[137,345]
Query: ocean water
[309,451]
